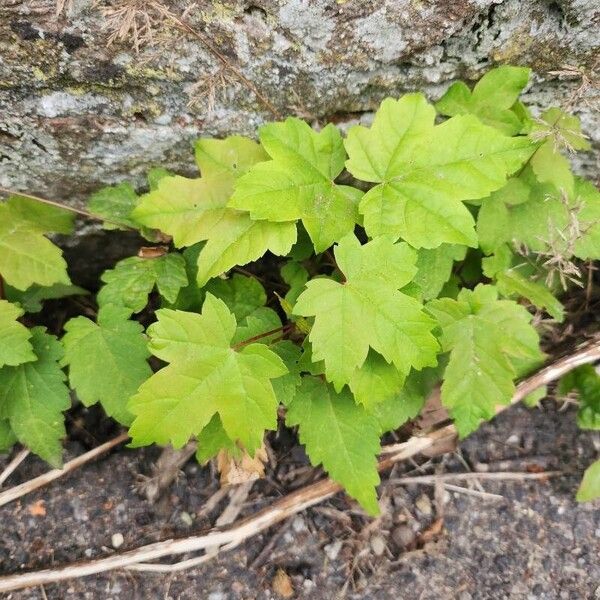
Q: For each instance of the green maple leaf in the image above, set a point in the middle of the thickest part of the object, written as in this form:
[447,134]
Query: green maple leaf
[561,128]
[587,203]
[242,294]
[511,280]
[556,130]
[298,183]
[586,381]
[26,256]
[367,311]
[7,436]
[340,435]
[376,381]
[194,210]
[589,488]
[540,217]
[32,298]
[406,404]
[483,335]
[33,396]
[212,439]
[492,98]
[119,365]
[15,347]
[424,172]
[131,281]
[296,276]
[115,203]
[286,386]
[206,376]
[434,268]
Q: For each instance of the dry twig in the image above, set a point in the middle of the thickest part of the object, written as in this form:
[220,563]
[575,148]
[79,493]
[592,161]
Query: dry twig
[33,484]
[13,464]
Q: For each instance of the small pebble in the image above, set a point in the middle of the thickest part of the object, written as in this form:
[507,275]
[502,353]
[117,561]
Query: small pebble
[423,504]
[332,550]
[403,536]
[378,545]
[298,525]
[117,540]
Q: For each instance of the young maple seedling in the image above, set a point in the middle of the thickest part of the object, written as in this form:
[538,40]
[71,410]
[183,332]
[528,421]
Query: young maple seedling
[355,303]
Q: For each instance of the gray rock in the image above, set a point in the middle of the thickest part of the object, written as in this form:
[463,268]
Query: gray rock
[81,108]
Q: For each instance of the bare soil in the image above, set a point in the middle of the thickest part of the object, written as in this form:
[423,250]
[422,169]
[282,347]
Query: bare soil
[535,542]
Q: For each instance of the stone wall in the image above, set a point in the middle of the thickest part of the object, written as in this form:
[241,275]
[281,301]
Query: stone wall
[81,106]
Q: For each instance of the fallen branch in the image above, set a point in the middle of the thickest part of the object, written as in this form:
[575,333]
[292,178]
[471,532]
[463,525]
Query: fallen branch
[33,484]
[432,479]
[285,507]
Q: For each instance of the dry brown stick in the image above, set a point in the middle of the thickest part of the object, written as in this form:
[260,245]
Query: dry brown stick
[13,464]
[288,505]
[33,484]
[443,477]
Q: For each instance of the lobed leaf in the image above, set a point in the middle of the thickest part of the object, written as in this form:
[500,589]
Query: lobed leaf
[33,397]
[15,345]
[367,311]
[119,364]
[424,172]
[340,435]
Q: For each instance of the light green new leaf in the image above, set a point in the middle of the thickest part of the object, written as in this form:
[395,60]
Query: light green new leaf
[589,488]
[298,183]
[42,217]
[491,99]
[586,381]
[367,311]
[119,364]
[206,376]
[26,256]
[434,267]
[33,396]
[542,218]
[511,282]
[340,435]
[32,298]
[482,335]
[550,166]
[563,129]
[133,278]
[15,347]
[194,210]
[425,172]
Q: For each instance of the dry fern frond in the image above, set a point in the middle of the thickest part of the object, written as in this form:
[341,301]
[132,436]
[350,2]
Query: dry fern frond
[136,22]
[209,89]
